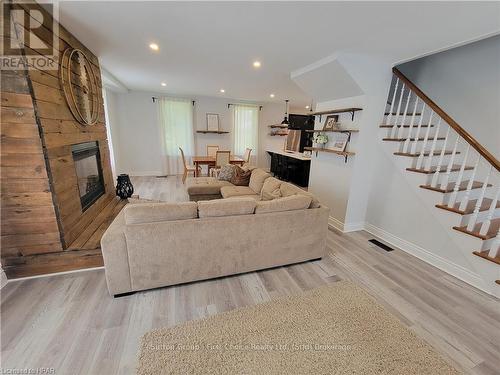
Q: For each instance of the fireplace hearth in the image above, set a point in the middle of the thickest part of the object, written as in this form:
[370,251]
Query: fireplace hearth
[88,168]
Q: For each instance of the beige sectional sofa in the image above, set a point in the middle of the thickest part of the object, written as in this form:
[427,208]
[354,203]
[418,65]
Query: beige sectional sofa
[152,245]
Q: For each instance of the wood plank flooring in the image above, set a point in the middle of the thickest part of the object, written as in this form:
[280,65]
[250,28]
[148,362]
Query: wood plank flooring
[70,323]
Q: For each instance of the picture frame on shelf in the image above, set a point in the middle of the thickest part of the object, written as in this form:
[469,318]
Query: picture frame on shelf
[331,123]
[213,122]
[339,142]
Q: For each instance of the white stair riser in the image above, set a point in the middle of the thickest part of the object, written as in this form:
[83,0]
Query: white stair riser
[481,216]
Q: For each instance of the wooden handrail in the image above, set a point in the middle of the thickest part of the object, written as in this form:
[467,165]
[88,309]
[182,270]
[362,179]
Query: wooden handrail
[461,131]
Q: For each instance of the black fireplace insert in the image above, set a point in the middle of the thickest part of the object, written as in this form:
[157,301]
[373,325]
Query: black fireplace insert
[88,172]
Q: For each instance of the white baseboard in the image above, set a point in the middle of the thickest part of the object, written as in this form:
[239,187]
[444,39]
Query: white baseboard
[146,173]
[443,264]
[344,227]
[55,274]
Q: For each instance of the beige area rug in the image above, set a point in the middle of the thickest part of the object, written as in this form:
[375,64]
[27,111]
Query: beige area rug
[338,329]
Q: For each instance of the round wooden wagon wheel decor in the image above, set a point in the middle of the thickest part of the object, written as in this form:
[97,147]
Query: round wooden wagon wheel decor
[80,86]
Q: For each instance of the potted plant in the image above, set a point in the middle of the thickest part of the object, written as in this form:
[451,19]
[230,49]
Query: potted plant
[319,139]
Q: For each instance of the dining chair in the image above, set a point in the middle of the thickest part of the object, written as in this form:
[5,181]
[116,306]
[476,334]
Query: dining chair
[212,150]
[246,157]
[187,168]
[221,158]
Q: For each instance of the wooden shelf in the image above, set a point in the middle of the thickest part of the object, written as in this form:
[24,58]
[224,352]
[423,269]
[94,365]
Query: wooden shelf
[334,131]
[345,154]
[279,126]
[211,132]
[275,134]
[351,110]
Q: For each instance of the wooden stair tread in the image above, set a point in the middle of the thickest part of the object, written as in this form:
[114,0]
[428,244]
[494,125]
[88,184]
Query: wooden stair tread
[426,153]
[430,139]
[451,186]
[485,255]
[485,205]
[492,230]
[497,281]
[387,126]
[454,168]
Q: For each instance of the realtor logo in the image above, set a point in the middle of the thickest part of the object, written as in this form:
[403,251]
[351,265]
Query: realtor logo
[31,36]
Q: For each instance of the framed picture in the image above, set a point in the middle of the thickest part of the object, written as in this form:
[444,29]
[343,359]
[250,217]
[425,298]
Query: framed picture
[340,142]
[213,122]
[331,122]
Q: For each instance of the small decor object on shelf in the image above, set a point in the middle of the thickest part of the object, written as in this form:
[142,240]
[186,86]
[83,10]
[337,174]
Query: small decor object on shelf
[331,123]
[307,154]
[124,188]
[212,122]
[320,139]
[340,142]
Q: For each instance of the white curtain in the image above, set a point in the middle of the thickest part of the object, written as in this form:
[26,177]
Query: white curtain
[176,120]
[245,129]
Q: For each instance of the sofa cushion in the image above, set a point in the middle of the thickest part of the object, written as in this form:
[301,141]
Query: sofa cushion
[270,189]
[226,207]
[255,197]
[293,202]
[257,179]
[205,185]
[154,212]
[235,191]
[288,189]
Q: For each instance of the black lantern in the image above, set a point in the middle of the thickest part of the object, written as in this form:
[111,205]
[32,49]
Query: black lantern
[285,120]
[124,188]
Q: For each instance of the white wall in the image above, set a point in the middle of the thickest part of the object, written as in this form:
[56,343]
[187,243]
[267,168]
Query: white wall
[136,133]
[465,83]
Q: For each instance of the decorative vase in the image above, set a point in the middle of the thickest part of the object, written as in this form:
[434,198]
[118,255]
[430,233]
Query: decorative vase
[124,188]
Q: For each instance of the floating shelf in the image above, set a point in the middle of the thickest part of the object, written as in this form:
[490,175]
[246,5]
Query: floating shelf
[275,134]
[279,126]
[336,111]
[211,132]
[345,154]
[334,131]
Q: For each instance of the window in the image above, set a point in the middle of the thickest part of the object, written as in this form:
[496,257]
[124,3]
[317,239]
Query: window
[176,120]
[246,128]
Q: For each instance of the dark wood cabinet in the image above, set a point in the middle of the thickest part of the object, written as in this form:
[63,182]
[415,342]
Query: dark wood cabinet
[290,167]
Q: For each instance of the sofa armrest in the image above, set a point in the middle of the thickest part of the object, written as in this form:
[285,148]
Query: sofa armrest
[115,255]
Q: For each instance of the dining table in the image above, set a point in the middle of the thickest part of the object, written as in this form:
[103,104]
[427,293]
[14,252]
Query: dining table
[210,161]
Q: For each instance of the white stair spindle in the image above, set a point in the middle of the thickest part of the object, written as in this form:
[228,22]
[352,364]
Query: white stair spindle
[407,141]
[389,118]
[472,221]
[465,200]
[446,178]
[486,224]
[398,110]
[419,127]
[495,246]
[428,164]
[420,159]
[401,126]
[435,176]
[458,182]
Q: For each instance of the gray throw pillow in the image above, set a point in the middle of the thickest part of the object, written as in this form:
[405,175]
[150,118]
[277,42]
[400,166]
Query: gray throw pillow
[227,172]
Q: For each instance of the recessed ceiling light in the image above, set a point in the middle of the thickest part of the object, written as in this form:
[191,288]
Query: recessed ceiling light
[256,64]
[163,84]
[307,107]
[271,96]
[222,90]
[154,46]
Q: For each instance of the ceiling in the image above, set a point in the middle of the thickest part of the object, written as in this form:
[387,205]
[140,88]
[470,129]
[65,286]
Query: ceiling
[206,46]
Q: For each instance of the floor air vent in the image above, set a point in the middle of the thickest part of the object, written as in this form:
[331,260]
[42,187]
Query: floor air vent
[381,245]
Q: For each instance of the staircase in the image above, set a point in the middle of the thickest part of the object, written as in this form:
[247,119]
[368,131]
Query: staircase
[461,173]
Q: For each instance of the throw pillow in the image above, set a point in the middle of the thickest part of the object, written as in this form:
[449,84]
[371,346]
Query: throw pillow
[226,173]
[241,177]
[270,189]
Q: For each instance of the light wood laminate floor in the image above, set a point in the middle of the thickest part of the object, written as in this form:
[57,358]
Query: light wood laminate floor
[70,323]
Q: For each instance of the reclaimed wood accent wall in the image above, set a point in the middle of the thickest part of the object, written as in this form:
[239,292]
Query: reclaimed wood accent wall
[41,210]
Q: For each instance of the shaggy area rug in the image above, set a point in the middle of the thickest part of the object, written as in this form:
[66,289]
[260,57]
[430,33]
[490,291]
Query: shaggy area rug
[338,329]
